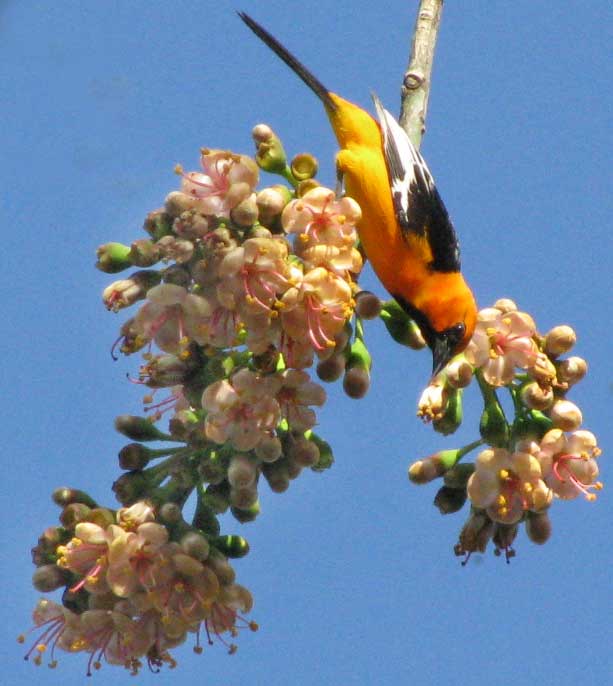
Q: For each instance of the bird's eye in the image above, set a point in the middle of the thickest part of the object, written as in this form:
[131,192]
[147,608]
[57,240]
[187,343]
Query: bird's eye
[456,332]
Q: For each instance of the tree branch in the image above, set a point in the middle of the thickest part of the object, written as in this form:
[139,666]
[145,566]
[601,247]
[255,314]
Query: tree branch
[416,82]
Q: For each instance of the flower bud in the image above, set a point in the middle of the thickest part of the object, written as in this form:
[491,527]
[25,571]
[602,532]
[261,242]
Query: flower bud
[303,166]
[571,370]
[101,516]
[130,487]
[177,275]
[356,383]
[245,214]
[367,305]
[305,186]
[459,372]
[170,513]
[231,546]
[126,292]
[400,326]
[243,498]
[178,202]
[430,468]
[493,425]
[535,397]
[144,252]
[331,368]
[458,475]
[242,472]
[221,567]
[326,456]
[158,223]
[139,428]
[560,340]
[195,545]
[505,305]
[269,449]
[450,500]
[538,527]
[452,416]
[543,371]
[113,258]
[566,415]
[270,202]
[73,514]
[76,601]
[270,155]
[134,456]
[276,475]
[49,578]
[302,451]
[66,496]
[248,514]
[44,551]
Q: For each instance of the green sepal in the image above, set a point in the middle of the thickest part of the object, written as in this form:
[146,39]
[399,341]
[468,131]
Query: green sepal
[113,258]
[449,500]
[326,456]
[139,428]
[458,476]
[358,356]
[531,425]
[231,546]
[248,514]
[452,417]
[205,518]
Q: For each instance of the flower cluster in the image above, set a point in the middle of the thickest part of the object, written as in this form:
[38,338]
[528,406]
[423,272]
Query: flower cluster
[541,454]
[132,593]
[237,292]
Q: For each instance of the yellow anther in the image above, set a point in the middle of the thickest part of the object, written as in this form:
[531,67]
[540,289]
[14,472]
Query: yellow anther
[254,626]
[599,485]
[341,219]
[528,487]
[303,237]
[41,647]
[178,169]
[504,474]
[590,497]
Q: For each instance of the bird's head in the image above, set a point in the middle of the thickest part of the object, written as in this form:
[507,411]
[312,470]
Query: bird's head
[447,319]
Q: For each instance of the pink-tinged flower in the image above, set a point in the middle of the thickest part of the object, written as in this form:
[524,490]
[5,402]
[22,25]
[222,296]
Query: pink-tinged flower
[58,629]
[318,217]
[225,181]
[317,310]
[86,555]
[500,343]
[255,274]
[297,392]
[131,556]
[508,484]
[175,249]
[343,260]
[161,318]
[209,322]
[130,518]
[241,411]
[183,589]
[112,637]
[225,615]
[569,463]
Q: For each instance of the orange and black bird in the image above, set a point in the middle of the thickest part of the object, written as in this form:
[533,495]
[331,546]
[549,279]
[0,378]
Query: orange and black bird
[405,229]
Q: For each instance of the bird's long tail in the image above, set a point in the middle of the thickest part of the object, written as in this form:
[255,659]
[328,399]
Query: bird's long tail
[311,81]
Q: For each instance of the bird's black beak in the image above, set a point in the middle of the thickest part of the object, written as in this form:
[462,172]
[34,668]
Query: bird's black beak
[442,352]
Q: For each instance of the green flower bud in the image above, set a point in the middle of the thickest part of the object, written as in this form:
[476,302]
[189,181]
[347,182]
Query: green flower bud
[231,546]
[452,416]
[424,471]
[270,155]
[139,428]
[450,500]
[531,426]
[66,496]
[493,425]
[326,456]
[357,368]
[73,514]
[400,326]
[113,258]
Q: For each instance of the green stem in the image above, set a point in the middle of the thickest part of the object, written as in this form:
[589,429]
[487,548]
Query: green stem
[469,448]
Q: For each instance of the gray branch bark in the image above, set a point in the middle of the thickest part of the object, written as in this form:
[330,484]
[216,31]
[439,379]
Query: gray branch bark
[416,82]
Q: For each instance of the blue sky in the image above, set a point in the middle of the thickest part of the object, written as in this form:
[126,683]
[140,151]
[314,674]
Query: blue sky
[352,571]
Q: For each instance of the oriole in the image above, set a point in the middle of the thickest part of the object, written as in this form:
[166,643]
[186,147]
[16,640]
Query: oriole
[405,229]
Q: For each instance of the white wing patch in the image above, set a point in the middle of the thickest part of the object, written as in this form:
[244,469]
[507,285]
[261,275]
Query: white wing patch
[418,206]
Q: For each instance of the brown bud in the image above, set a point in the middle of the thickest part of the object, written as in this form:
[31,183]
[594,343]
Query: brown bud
[356,382]
[537,397]
[571,370]
[566,415]
[538,527]
[332,368]
[367,305]
[49,578]
[246,212]
[560,340]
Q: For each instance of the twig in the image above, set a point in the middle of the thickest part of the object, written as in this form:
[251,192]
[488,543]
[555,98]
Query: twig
[416,82]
